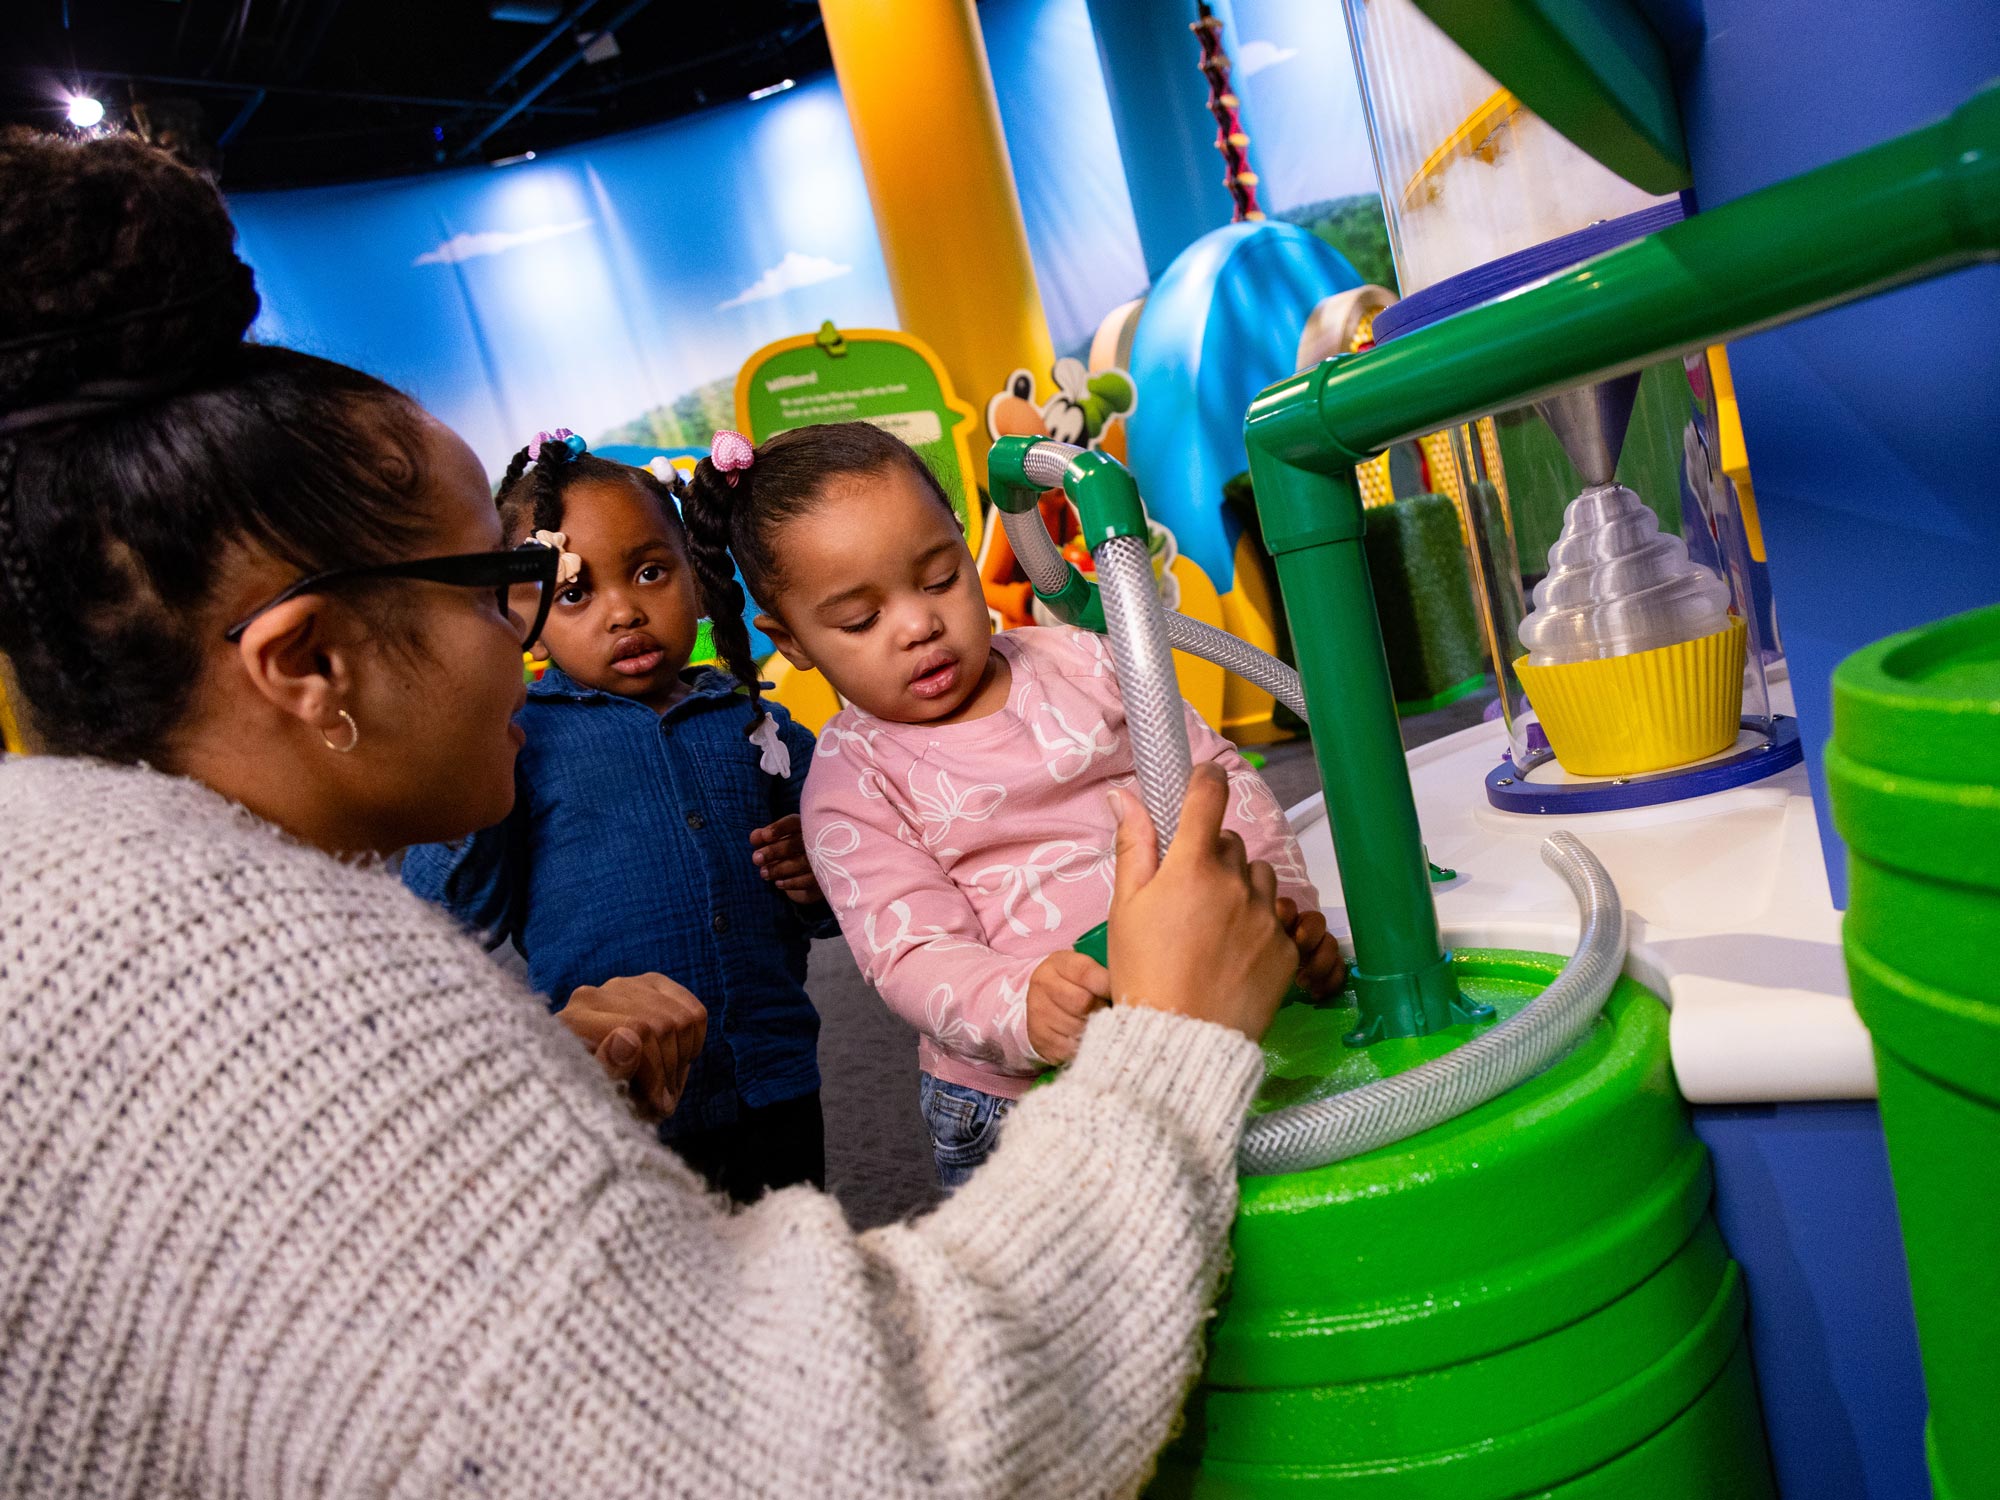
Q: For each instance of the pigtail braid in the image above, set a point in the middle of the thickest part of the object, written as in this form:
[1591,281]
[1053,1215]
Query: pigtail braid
[531,492]
[548,493]
[516,467]
[709,509]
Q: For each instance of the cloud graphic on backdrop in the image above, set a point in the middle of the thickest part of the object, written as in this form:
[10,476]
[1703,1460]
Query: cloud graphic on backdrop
[788,275]
[464,246]
[1255,57]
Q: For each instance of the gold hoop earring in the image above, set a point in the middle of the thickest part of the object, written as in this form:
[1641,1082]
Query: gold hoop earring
[353,736]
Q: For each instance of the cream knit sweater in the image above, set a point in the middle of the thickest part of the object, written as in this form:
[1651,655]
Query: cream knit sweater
[300,1196]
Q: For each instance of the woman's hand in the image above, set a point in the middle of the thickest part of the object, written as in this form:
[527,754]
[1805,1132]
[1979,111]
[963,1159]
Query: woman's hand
[1198,932]
[646,1031]
[781,859]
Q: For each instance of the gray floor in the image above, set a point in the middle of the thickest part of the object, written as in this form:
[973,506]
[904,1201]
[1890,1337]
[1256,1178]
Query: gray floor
[877,1152]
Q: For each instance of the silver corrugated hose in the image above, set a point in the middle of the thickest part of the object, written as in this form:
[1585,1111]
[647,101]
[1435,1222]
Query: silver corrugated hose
[1036,550]
[1389,1110]
[1047,461]
[1146,680]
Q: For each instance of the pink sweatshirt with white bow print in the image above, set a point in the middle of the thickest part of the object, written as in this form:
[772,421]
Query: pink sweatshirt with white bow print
[959,856]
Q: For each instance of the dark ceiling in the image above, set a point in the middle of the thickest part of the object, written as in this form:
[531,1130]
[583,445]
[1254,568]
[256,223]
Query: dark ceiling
[277,93]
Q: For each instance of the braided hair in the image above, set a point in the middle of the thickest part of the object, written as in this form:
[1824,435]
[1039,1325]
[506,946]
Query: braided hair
[531,492]
[735,525]
[140,436]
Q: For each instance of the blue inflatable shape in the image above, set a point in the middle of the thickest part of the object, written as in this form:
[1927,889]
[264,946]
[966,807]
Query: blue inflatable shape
[638,455]
[1221,325]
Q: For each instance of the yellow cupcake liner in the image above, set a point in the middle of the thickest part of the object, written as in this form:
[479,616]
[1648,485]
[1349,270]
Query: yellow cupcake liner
[1644,712]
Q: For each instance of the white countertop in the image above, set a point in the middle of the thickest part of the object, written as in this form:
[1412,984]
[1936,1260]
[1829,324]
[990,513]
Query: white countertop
[1728,910]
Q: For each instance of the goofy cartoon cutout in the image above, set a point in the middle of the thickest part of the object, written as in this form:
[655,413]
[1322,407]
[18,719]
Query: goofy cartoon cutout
[1084,412]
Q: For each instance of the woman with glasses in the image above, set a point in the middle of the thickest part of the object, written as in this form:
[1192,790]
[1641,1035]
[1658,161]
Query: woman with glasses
[298,1193]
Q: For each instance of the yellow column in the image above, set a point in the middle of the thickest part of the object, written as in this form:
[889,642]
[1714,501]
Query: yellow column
[11,739]
[914,76]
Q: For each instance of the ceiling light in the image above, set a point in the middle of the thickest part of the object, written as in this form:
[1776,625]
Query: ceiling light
[514,161]
[777,88]
[85,112]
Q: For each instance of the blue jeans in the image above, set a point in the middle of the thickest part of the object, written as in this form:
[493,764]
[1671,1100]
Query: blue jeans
[964,1122]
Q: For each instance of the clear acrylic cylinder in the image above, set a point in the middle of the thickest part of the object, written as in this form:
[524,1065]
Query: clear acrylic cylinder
[1516,483]
[1468,173]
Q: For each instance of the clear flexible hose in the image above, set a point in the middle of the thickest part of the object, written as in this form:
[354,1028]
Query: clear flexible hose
[1378,1114]
[1238,656]
[1048,571]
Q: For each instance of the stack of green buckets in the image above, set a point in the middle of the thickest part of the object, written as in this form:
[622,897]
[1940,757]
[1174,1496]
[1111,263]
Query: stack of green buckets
[1914,773]
[1529,1300]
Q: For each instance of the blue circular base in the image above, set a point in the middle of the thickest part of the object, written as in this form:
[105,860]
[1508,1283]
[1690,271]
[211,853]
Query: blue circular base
[1509,789]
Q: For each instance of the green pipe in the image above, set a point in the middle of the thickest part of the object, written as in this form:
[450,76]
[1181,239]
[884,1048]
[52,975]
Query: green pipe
[1402,974]
[1911,208]
[1103,491]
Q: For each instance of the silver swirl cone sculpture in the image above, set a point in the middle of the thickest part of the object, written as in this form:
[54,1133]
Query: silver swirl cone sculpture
[1617,585]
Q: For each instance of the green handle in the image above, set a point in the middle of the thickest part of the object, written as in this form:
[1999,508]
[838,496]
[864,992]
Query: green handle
[1006,470]
[1914,207]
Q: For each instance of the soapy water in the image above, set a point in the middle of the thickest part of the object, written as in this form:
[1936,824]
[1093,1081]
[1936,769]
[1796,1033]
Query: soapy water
[1617,585]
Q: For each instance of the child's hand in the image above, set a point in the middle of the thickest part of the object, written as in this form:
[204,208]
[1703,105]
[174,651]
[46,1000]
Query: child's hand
[1062,992]
[781,859]
[1322,968]
[645,1030]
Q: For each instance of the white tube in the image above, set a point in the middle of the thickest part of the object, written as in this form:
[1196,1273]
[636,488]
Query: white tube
[1048,571]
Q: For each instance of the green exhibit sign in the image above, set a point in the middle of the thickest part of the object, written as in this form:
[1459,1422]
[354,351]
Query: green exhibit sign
[876,375]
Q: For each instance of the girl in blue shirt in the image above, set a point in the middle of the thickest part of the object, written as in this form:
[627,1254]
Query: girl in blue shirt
[655,826]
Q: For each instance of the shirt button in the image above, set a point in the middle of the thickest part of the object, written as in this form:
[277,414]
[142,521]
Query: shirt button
[696,820]
[720,922]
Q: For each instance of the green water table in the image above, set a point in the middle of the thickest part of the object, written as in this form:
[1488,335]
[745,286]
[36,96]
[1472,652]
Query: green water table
[1527,1297]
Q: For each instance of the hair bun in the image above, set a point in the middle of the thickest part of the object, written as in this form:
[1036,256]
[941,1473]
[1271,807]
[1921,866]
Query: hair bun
[122,266]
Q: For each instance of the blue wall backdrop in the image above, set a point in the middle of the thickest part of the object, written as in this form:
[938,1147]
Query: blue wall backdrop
[616,287]
[589,286]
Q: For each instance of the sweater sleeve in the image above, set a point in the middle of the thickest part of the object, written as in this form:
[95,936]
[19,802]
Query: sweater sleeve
[914,935]
[1034,1336]
[1253,813]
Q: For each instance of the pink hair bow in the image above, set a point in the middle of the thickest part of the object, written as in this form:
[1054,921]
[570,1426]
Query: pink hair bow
[561,435]
[729,452]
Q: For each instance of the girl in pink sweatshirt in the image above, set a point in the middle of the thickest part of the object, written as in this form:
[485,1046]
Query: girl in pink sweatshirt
[957,814]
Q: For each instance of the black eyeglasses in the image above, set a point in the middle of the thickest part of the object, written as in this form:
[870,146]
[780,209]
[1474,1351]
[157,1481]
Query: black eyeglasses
[523,579]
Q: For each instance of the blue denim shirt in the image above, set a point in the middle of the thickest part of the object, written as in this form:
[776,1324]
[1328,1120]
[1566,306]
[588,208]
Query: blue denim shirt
[628,852]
